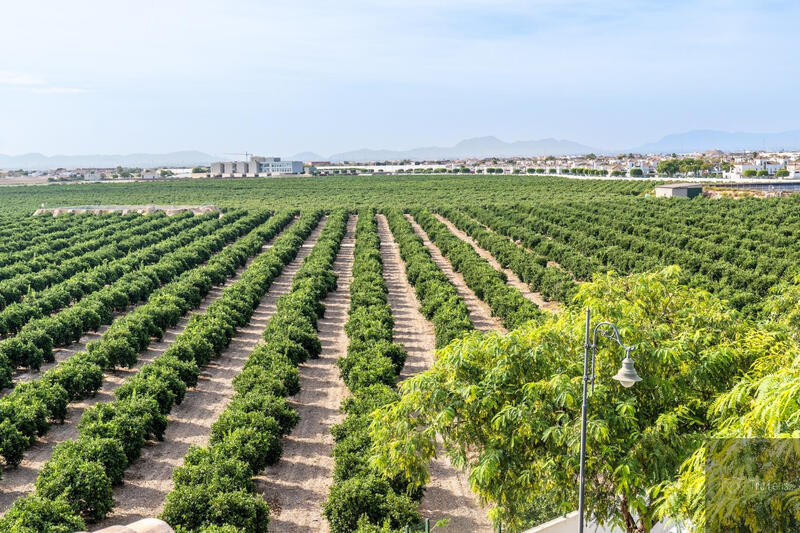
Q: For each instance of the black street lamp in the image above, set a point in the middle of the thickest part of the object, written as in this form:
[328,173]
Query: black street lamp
[626,376]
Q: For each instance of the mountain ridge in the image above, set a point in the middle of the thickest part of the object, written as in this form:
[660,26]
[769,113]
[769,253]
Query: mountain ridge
[476,147]
[703,140]
[37,161]
[700,140]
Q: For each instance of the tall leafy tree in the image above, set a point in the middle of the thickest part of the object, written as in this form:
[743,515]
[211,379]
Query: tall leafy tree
[508,407]
[757,424]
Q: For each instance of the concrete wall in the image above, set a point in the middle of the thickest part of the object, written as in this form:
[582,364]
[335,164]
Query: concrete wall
[569,524]
[678,192]
[146,525]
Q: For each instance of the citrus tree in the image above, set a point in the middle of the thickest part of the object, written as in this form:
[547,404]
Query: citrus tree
[507,408]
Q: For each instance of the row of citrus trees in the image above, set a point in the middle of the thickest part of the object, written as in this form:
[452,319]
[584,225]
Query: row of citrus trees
[488,283]
[80,239]
[26,412]
[552,282]
[40,294]
[214,487]
[705,263]
[577,264]
[31,270]
[96,295]
[438,297]
[360,497]
[77,482]
[36,233]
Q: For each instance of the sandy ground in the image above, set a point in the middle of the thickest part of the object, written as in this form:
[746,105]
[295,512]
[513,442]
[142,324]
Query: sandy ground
[62,353]
[513,279]
[297,487]
[19,481]
[23,180]
[479,311]
[149,479]
[448,494]
[550,263]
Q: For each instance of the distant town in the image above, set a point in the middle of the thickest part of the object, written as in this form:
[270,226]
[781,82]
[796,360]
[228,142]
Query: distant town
[710,165]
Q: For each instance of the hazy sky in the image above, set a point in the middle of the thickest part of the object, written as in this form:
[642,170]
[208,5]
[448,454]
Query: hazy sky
[280,77]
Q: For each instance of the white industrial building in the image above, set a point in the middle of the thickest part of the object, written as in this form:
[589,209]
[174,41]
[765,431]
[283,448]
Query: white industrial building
[256,166]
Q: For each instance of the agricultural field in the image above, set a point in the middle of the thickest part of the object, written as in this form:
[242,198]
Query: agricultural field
[364,353]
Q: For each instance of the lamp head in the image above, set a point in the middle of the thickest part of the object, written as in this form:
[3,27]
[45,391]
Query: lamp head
[627,375]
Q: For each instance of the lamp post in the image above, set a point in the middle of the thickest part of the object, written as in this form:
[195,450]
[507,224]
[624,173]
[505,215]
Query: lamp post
[626,376]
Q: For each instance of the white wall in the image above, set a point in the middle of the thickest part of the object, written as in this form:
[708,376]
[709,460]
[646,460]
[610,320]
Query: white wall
[569,524]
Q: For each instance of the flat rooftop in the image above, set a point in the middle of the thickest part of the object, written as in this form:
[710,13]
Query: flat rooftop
[680,186]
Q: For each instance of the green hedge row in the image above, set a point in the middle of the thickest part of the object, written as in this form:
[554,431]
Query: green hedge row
[25,412]
[49,258]
[34,344]
[82,473]
[508,223]
[551,282]
[214,487]
[101,291]
[439,300]
[488,283]
[42,302]
[101,249]
[360,495]
[18,234]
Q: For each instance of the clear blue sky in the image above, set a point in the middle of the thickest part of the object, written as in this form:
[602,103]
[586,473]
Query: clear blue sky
[280,77]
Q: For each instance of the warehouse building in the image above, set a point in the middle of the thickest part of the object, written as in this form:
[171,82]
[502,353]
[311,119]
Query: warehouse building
[679,190]
[256,166]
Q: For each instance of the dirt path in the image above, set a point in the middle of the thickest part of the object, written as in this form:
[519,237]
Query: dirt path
[62,353]
[148,480]
[448,493]
[550,263]
[479,311]
[297,487]
[513,279]
[19,481]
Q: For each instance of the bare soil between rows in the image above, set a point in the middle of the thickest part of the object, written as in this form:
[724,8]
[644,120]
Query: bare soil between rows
[479,312]
[298,485]
[513,279]
[149,479]
[448,494]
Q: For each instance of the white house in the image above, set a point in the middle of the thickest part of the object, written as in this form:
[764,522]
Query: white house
[771,167]
[794,170]
[646,166]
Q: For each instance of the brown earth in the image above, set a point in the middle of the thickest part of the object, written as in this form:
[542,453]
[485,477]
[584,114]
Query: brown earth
[148,480]
[479,311]
[297,487]
[448,494]
[513,279]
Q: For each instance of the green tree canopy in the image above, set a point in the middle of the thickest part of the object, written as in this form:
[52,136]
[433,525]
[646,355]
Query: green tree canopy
[508,407]
[764,404]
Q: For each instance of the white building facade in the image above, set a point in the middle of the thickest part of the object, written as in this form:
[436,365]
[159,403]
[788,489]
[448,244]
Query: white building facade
[257,166]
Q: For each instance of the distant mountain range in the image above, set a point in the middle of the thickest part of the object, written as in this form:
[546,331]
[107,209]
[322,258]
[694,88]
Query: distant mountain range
[703,140]
[477,147]
[691,141]
[36,161]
